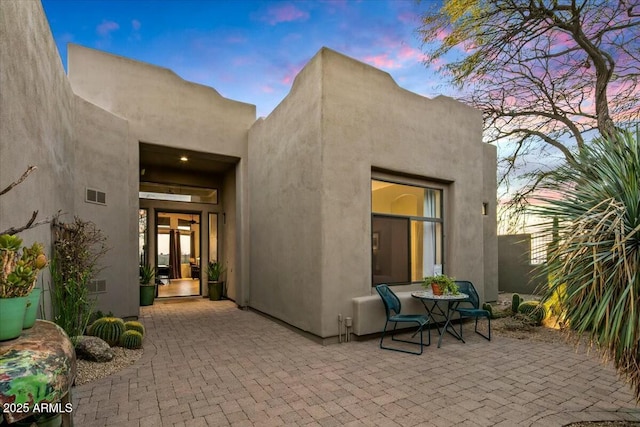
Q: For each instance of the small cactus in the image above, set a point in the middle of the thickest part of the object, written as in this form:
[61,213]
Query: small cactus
[516,300]
[131,339]
[486,306]
[108,328]
[132,325]
[533,310]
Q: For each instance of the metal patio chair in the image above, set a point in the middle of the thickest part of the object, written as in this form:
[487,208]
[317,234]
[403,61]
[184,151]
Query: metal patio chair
[474,311]
[392,308]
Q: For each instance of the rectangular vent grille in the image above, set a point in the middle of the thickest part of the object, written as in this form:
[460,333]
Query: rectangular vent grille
[97,286]
[95,196]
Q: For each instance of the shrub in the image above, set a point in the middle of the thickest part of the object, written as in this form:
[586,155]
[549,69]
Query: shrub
[486,306]
[108,328]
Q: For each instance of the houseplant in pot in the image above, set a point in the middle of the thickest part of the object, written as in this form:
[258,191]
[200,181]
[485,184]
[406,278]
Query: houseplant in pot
[215,285]
[147,285]
[441,285]
[18,275]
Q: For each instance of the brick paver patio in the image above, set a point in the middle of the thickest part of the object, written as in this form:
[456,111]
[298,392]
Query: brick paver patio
[210,364]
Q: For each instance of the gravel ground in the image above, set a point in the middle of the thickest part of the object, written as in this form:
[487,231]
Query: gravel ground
[91,371]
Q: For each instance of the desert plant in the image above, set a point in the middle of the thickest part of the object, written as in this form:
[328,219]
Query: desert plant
[130,339]
[132,325]
[534,310]
[77,248]
[593,269]
[516,300]
[19,271]
[147,273]
[488,307]
[214,271]
[447,284]
[108,329]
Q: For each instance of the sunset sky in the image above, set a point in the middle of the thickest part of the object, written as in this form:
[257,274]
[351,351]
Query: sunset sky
[250,51]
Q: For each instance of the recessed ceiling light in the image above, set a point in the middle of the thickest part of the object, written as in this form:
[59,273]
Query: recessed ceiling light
[184,159]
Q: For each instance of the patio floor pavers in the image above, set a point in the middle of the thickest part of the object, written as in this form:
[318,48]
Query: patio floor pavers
[207,363]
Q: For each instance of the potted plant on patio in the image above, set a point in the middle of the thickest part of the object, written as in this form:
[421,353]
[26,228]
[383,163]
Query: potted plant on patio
[441,285]
[215,285]
[147,285]
[18,276]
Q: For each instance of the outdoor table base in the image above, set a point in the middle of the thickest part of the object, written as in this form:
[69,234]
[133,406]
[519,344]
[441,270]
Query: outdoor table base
[452,301]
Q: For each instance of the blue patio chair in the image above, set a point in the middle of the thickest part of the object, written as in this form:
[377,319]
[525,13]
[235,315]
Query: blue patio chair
[393,307]
[474,310]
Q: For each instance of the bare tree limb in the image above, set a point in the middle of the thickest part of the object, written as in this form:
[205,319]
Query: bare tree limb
[17,182]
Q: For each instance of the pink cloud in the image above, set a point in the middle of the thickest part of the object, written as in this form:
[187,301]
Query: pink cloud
[408,18]
[266,89]
[381,61]
[284,13]
[107,27]
[292,72]
[409,53]
[136,25]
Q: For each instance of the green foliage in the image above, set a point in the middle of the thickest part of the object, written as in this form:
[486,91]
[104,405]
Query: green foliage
[214,271]
[447,284]
[131,339]
[516,300]
[77,247]
[488,307]
[19,272]
[147,273]
[594,269]
[534,310]
[132,325]
[108,329]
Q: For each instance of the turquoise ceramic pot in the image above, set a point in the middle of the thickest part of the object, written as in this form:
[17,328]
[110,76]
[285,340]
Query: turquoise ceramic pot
[32,308]
[12,312]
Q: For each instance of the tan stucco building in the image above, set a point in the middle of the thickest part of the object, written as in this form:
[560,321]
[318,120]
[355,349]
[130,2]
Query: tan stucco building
[351,181]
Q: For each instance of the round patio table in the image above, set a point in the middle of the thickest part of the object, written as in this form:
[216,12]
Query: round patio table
[37,370]
[430,302]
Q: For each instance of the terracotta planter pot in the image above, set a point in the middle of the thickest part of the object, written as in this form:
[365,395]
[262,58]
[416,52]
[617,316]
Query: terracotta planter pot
[437,290]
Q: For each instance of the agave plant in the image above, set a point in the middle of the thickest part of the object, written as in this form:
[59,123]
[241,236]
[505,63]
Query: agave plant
[594,261]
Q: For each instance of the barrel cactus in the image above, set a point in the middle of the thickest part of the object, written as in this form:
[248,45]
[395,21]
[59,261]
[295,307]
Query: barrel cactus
[131,339]
[132,325]
[108,329]
[534,310]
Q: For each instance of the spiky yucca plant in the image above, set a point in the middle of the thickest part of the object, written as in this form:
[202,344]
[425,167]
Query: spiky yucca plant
[594,262]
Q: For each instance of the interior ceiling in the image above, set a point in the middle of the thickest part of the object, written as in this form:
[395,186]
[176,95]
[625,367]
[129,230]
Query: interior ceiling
[163,158]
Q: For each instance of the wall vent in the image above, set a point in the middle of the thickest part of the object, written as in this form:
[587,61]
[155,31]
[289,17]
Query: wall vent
[96,196]
[97,286]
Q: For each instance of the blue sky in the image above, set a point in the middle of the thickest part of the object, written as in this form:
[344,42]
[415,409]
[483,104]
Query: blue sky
[249,51]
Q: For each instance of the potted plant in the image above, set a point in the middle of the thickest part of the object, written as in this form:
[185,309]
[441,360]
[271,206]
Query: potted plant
[441,284]
[147,285]
[215,285]
[18,276]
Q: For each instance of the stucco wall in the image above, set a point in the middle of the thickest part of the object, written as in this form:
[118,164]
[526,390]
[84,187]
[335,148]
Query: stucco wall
[164,109]
[285,200]
[516,273]
[490,223]
[370,122]
[44,124]
[311,167]
[104,154]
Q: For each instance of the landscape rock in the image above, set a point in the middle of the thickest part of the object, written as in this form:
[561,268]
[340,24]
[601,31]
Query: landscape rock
[94,349]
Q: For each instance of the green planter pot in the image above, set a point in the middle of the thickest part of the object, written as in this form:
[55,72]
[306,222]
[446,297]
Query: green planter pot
[215,290]
[12,311]
[147,294]
[32,308]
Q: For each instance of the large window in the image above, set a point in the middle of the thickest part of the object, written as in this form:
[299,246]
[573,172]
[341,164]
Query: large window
[406,240]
